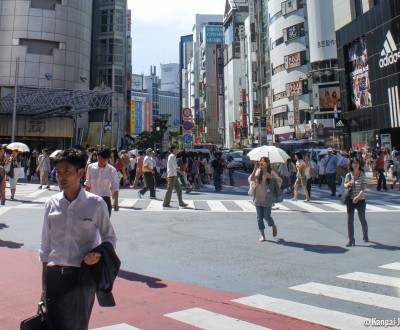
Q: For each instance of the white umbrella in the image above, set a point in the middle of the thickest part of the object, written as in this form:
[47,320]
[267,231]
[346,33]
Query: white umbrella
[275,155]
[54,153]
[21,147]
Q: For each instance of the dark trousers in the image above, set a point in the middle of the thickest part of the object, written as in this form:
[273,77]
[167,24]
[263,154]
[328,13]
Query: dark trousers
[331,179]
[381,179]
[68,300]
[148,184]
[230,171]
[309,186]
[360,206]
[107,199]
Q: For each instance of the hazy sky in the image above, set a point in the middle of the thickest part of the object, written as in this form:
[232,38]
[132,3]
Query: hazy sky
[157,26]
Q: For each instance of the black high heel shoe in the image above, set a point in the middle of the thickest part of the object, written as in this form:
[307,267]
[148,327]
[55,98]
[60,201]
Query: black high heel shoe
[365,239]
[351,243]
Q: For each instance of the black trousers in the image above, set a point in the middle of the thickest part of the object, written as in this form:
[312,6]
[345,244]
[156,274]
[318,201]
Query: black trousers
[331,179]
[68,300]
[360,206]
[107,199]
[148,184]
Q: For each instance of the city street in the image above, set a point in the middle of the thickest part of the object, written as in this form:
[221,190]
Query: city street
[203,266]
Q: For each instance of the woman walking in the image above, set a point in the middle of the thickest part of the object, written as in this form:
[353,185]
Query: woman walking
[301,178]
[261,178]
[14,162]
[356,180]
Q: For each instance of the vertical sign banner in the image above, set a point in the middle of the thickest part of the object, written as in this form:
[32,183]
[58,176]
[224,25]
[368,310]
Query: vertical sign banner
[139,117]
[322,41]
[128,23]
[147,124]
[133,117]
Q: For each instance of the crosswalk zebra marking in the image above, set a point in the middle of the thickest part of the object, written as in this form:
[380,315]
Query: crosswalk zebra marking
[121,326]
[246,206]
[155,205]
[127,202]
[330,318]
[42,199]
[27,206]
[361,297]
[372,278]
[205,319]
[307,206]
[4,209]
[392,266]
[36,193]
[217,206]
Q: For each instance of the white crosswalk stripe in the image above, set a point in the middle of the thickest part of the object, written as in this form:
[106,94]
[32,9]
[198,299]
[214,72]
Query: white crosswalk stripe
[373,278]
[122,326]
[327,317]
[393,266]
[205,319]
[361,297]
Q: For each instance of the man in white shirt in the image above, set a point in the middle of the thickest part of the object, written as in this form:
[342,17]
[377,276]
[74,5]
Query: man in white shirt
[148,172]
[102,179]
[172,179]
[75,222]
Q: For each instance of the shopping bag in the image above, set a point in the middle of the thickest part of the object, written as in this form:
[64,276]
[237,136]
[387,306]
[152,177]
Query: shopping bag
[19,173]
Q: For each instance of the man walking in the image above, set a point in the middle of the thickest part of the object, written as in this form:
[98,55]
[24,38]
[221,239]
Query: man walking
[44,169]
[172,179]
[102,179]
[380,168]
[75,222]
[148,172]
[331,162]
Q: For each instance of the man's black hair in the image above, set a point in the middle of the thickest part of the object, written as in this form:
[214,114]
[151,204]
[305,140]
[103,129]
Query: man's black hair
[174,146]
[72,156]
[104,152]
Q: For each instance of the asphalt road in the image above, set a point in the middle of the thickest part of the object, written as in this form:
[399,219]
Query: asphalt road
[216,247]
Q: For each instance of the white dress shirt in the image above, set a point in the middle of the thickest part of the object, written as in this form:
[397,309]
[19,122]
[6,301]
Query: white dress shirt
[72,229]
[172,166]
[148,162]
[102,181]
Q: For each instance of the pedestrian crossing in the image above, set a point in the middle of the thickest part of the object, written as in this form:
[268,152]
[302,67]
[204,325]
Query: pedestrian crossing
[203,318]
[215,206]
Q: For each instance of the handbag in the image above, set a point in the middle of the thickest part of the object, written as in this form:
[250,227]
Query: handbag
[276,192]
[36,322]
[252,188]
[19,173]
[345,199]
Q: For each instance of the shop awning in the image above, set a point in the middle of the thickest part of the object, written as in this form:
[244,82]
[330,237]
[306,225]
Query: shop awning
[44,102]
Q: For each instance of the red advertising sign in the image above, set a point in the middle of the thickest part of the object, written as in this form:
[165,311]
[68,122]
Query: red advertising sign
[293,60]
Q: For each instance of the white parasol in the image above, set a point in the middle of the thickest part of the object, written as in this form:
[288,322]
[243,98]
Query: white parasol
[21,147]
[54,153]
[275,155]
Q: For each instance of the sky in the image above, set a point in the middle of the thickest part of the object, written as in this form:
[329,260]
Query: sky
[157,26]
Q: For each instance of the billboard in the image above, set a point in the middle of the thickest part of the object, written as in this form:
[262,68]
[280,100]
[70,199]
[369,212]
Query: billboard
[329,95]
[133,118]
[358,75]
[289,6]
[322,41]
[138,117]
[137,82]
[293,32]
[295,60]
[214,34]
[297,87]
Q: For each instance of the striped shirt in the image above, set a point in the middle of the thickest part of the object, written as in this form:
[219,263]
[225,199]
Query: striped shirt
[356,184]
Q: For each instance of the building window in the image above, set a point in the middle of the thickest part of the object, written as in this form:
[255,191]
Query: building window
[111,50]
[358,7]
[42,47]
[45,4]
[112,20]
[280,120]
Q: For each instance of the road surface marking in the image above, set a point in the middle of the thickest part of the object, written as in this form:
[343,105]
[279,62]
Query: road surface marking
[372,278]
[326,317]
[122,326]
[27,206]
[361,297]
[155,205]
[217,206]
[127,202]
[246,206]
[4,209]
[205,319]
[393,266]
[36,193]
[306,206]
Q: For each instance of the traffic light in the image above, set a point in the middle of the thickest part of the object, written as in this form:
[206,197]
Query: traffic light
[164,125]
[157,125]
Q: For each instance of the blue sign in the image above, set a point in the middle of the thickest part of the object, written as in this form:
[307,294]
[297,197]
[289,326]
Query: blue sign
[139,117]
[187,125]
[187,138]
[176,122]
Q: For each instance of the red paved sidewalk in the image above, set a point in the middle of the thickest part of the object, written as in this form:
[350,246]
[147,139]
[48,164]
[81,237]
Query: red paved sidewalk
[141,300]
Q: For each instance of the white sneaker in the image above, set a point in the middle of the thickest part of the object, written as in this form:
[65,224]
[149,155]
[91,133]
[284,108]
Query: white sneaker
[139,195]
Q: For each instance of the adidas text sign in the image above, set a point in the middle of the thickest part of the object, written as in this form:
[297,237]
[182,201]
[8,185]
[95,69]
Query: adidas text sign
[389,51]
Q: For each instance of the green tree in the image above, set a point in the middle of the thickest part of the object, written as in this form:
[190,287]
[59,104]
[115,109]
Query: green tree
[175,138]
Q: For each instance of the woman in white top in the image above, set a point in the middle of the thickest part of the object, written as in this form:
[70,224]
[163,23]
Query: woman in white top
[261,177]
[301,178]
[321,170]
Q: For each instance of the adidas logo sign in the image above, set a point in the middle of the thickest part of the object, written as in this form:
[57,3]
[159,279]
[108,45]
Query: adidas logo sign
[389,51]
[339,124]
